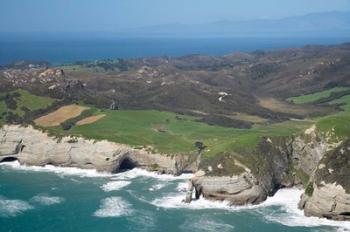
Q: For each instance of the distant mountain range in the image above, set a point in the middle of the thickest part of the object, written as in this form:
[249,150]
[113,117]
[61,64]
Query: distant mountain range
[317,25]
[328,24]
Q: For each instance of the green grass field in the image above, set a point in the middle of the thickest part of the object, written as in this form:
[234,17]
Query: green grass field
[310,98]
[169,133]
[338,124]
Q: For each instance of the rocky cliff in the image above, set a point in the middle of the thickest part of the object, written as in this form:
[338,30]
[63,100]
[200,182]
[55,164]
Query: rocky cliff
[328,192]
[306,160]
[33,147]
[303,160]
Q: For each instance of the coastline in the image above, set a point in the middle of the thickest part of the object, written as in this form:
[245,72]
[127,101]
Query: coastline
[39,151]
[285,199]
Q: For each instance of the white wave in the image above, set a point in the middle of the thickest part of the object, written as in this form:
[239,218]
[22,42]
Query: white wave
[157,187]
[182,187]
[288,199]
[70,171]
[137,172]
[206,224]
[114,185]
[134,173]
[11,208]
[176,201]
[47,200]
[113,207]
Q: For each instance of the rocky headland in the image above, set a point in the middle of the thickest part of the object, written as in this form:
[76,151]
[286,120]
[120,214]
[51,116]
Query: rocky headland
[33,147]
[324,167]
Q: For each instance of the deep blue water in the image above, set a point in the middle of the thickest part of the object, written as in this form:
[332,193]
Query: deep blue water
[67,51]
[63,199]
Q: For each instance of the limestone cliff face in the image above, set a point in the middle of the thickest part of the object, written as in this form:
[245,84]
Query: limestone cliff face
[33,147]
[328,192]
[306,159]
[254,183]
[308,150]
[276,163]
[238,190]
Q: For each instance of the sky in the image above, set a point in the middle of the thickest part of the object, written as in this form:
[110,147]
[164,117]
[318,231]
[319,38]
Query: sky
[114,15]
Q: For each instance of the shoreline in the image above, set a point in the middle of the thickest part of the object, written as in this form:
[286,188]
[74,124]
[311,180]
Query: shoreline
[285,198]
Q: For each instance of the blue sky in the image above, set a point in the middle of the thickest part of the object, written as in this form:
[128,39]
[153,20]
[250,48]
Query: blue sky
[111,15]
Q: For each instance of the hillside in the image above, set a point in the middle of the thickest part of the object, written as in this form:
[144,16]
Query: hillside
[195,103]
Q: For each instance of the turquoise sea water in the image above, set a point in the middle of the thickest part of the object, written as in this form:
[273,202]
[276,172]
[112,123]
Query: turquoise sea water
[66,199]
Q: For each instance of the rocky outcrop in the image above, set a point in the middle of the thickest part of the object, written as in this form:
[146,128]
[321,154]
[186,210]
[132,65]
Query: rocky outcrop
[308,150]
[233,181]
[238,190]
[328,193]
[51,72]
[33,147]
[286,162]
[329,201]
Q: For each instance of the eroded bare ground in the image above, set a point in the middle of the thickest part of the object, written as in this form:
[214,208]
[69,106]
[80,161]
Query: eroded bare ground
[234,90]
[90,119]
[59,116]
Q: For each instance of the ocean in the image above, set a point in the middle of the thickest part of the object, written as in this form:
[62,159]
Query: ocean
[62,51]
[69,199]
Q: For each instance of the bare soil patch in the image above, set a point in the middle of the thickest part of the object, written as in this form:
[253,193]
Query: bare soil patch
[90,119]
[61,115]
[282,107]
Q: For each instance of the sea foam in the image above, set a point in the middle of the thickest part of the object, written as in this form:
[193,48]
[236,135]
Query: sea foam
[11,208]
[71,171]
[47,200]
[206,224]
[137,172]
[114,185]
[156,187]
[287,199]
[113,207]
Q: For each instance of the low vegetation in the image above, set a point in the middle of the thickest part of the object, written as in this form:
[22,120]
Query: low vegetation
[311,98]
[15,105]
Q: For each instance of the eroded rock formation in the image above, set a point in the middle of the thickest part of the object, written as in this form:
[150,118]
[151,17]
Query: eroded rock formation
[33,147]
[328,193]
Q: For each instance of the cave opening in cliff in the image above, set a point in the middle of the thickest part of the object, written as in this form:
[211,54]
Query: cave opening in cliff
[127,164]
[8,159]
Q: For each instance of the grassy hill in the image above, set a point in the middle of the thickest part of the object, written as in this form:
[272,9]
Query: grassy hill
[15,104]
[171,133]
